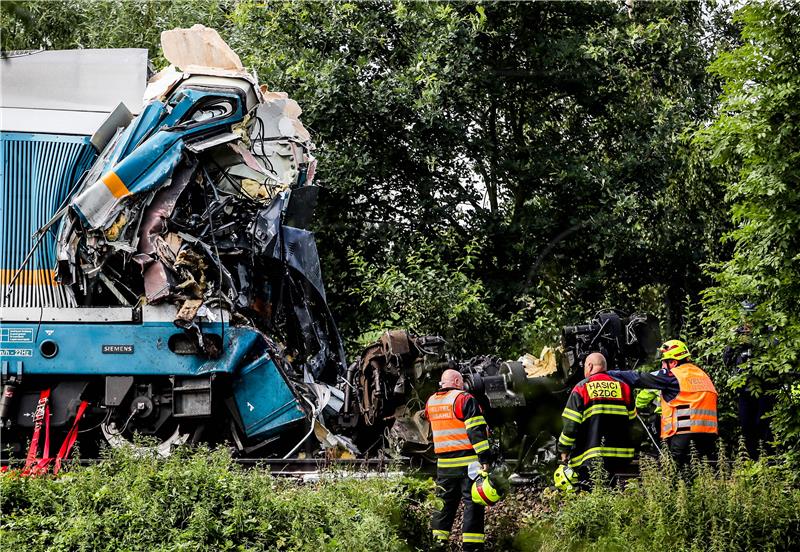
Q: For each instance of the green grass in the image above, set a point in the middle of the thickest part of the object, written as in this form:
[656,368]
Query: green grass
[742,506]
[201,500]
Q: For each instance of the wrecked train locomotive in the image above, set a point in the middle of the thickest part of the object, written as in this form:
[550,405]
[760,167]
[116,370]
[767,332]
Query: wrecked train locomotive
[172,287]
[187,301]
[628,341]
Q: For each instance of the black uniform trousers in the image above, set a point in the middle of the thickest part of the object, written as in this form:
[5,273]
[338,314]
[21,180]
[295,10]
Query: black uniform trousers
[755,424]
[681,445]
[451,489]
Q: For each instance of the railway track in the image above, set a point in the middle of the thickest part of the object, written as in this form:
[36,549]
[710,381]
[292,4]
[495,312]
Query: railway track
[314,469]
[296,467]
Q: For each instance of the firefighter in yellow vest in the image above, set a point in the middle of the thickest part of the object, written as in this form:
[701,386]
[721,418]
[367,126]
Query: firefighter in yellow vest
[460,437]
[688,402]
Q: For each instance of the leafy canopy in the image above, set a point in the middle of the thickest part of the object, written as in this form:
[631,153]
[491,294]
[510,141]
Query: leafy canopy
[755,139]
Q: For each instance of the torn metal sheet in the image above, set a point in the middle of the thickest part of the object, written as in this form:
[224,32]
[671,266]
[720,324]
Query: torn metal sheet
[198,46]
[161,84]
[411,431]
[158,248]
[544,365]
[187,312]
[119,118]
[281,116]
[203,145]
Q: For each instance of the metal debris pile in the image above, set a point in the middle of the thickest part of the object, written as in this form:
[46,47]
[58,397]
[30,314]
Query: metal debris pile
[207,208]
[199,209]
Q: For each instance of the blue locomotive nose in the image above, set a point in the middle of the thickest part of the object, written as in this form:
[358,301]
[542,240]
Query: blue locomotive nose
[143,299]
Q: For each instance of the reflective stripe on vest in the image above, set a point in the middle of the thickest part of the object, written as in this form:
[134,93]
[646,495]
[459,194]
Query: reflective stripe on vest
[612,409]
[606,452]
[449,433]
[694,410]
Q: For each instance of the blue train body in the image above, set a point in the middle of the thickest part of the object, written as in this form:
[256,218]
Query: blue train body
[189,356]
[99,341]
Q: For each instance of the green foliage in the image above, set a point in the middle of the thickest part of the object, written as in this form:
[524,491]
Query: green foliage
[603,198]
[551,133]
[754,140]
[64,24]
[427,296]
[423,296]
[200,500]
[744,506]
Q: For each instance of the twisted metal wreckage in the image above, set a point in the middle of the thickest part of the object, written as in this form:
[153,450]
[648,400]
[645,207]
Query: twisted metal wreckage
[192,306]
[192,302]
[200,206]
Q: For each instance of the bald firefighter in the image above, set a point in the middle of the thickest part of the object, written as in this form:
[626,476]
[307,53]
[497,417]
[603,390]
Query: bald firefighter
[597,423]
[688,402]
[460,437]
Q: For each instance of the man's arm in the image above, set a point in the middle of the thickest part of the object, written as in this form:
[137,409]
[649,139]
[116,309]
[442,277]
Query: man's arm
[662,380]
[477,430]
[647,396]
[573,418]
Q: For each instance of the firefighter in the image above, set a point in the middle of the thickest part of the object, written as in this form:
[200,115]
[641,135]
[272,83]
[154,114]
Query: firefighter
[648,408]
[755,403]
[688,402]
[597,422]
[460,437]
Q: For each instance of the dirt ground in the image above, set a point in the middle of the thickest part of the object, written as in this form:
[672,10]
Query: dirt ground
[504,519]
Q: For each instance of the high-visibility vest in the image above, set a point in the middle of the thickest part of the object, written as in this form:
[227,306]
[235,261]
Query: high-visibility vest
[449,433]
[694,410]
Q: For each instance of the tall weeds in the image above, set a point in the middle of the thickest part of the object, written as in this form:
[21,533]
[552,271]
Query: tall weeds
[201,500]
[740,505]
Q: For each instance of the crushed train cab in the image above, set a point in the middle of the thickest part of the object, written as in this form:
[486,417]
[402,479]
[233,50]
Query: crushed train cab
[158,271]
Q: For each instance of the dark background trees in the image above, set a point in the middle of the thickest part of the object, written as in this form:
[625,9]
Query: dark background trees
[493,170]
[543,141]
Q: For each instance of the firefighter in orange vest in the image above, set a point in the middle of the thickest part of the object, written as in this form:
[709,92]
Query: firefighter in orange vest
[460,437]
[688,402]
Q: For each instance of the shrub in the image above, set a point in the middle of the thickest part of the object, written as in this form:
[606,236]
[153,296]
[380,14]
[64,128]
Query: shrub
[743,505]
[201,500]
[424,293]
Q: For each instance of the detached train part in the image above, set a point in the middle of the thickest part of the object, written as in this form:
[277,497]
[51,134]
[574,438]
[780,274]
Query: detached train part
[628,341]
